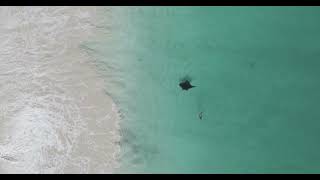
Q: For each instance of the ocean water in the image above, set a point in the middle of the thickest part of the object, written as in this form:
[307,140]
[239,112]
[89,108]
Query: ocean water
[68,74]
[256,72]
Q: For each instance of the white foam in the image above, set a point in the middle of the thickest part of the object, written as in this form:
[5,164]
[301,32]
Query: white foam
[54,114]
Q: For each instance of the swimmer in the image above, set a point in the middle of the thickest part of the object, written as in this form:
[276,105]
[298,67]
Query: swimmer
[200,115]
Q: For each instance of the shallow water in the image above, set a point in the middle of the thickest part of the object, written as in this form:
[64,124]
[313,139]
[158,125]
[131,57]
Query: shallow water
[54,114]
[256,70]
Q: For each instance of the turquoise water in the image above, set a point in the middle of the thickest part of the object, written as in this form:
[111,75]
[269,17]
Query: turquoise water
[257,74]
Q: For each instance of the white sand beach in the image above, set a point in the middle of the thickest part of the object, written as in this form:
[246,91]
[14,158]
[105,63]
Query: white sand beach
[55,116]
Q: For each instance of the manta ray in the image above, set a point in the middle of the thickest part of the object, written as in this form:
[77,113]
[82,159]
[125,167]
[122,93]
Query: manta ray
[185,85]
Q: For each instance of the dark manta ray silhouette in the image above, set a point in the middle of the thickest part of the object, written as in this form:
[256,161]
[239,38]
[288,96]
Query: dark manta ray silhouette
[185,85]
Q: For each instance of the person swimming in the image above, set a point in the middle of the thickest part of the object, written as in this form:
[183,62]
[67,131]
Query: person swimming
[200,115]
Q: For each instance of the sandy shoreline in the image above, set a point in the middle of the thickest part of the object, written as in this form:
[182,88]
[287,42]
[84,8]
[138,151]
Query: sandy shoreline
[55,116]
